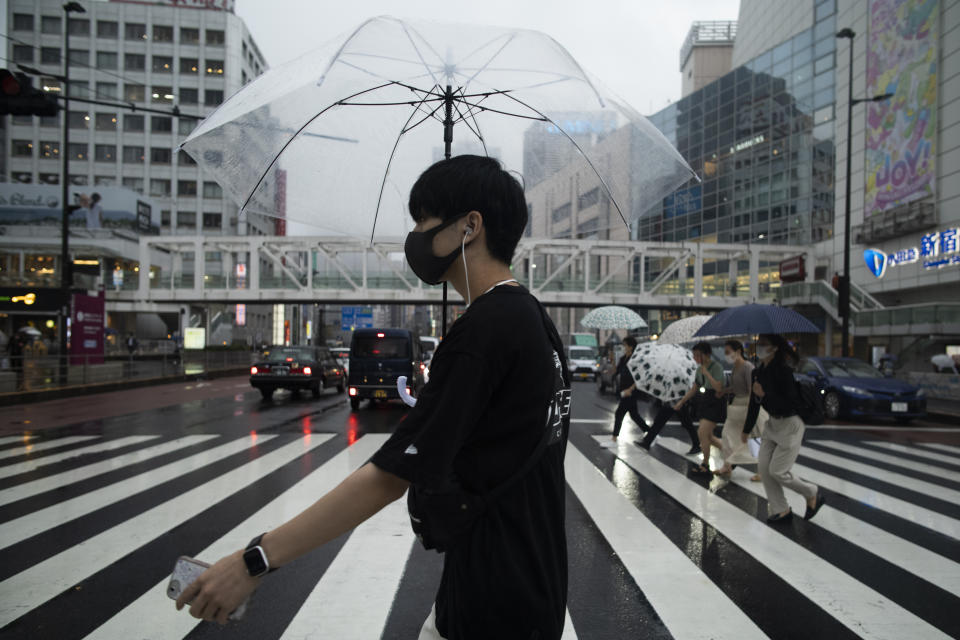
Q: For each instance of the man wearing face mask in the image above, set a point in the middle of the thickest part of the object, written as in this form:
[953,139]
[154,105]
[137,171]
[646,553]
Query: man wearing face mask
[487,435]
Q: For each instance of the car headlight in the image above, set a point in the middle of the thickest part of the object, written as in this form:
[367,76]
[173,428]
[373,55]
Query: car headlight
[856,391]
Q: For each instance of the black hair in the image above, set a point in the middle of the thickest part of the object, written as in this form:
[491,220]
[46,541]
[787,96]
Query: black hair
[703,347]
[736,345]
[451,188]
[630,341]
[785,353]
[95,197]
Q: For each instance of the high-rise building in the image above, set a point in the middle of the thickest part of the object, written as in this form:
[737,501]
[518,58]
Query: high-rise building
[158,55]
[706,54]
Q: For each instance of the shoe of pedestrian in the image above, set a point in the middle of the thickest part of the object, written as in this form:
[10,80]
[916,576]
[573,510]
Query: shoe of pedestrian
[816,507]
[694,451]
[780,517]
[643,444]
[755,478]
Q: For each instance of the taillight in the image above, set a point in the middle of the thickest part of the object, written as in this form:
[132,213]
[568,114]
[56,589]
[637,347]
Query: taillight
[408,390]
[253,371]
[381,335]
[307,371]
[353,391]
[422,366]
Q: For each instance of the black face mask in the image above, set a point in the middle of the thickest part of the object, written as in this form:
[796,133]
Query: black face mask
[419,251]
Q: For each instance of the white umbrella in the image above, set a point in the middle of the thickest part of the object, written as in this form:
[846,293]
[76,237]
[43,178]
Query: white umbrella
[613,317]
[30,331]
[682,330]
[664,371]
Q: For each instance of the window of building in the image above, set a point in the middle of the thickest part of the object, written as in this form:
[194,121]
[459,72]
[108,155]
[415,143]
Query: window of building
[80,57]
[21,149]
[134,31]
[134,61]
[186,187]
[108,90]
[588,199]
[104,181]
[50,55]
[51,25]
[162,95]
[78,27]
[104,152]
[49,149]
[214,67]
[189,96]
[823,64]
[22,121]
[164,215]
[133,123]
[160,188]
[78,179]
[215,37]
[212,220]
[184,159]
[106,60]
[108,30]
[134,184]
[134,92]
[212,190]
[189,65]
[212,97]
[162,64]
[106,122]
[185,126]
[78,150]
[23,53]
[21,177]
[49,178]
[22,22]
[189,35]
[161,124]
[133,155]
[561,213]
[79,120]
[187,219]
[162,33]
[160,155]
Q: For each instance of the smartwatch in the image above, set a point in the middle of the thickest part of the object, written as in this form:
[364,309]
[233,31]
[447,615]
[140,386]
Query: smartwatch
[256,558]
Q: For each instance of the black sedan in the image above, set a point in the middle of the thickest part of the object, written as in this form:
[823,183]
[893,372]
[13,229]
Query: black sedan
[852,388]
[296,369]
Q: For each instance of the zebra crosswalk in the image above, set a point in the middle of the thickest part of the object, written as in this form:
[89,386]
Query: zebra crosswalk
[90,527]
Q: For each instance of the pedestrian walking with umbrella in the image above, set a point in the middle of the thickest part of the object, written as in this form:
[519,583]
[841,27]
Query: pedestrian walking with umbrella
[665,372]
[627,391]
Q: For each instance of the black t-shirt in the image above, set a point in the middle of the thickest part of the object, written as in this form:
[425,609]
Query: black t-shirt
[475,424]
[624,378]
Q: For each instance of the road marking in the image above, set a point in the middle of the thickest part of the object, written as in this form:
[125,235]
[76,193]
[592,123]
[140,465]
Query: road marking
[946,474]
[46,579]
[668,578]
[154,611]
[592,420]
[39,463]
[913,450]
[49,483]
[33,523]
[9,439]
[943,447]
[43,445]
[905,429]
[920,486]
[855,605]
[911,557]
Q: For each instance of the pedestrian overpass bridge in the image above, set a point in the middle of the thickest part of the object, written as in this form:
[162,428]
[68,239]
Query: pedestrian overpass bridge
[332,270]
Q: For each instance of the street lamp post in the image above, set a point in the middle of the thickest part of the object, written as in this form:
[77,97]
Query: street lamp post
[844,292]
[66,272]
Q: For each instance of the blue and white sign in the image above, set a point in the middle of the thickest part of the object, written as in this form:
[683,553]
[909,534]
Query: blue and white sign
[356,318]
[938,249]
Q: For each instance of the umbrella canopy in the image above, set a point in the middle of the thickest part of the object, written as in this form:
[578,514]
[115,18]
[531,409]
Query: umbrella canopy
[751,319]
[613,317]
[684,330]
[336,138]
[664,371]
[30,331]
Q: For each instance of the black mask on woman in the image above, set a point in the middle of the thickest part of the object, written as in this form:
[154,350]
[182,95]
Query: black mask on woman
[419,251]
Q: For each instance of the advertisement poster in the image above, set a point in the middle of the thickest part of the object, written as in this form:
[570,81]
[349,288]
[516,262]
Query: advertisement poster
[901,131]
[87,317]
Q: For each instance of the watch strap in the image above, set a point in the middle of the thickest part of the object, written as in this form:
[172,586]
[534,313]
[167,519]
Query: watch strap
[256,543]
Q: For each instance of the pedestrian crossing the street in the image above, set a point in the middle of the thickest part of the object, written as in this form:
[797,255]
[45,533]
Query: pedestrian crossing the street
[90,527]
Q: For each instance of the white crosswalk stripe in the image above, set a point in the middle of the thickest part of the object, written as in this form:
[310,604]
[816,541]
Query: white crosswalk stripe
[43,461]
[43,445]
[355,595]
[914,451]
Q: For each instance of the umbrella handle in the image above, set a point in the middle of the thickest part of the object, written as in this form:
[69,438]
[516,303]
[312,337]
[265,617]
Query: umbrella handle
[408,400]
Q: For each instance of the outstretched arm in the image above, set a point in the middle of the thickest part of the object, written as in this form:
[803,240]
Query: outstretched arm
[223,587]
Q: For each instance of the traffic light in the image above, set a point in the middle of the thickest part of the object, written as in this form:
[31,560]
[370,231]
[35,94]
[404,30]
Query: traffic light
[18,97]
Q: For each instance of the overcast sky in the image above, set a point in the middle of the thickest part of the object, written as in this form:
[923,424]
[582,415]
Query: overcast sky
[632,45]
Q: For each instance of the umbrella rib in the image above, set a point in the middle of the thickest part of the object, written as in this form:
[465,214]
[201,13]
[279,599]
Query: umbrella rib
[386,172]
[406,30]
[294,137]
[464,119]
[577,146]
[492,58]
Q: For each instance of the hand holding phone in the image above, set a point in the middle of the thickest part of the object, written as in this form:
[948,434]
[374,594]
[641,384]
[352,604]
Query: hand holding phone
[185,572]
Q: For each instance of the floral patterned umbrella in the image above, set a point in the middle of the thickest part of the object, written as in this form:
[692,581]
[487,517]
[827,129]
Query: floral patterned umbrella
[664,371]
[682,330]
[613,317]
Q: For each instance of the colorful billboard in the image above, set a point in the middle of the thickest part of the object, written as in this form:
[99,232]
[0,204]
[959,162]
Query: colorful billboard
[901,131]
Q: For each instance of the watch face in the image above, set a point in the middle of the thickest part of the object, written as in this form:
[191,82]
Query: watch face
[256,561]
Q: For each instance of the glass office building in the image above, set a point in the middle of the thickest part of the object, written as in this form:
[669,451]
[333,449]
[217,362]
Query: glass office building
[761,138]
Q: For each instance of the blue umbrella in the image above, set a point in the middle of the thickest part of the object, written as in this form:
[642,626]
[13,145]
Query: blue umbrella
[751,319]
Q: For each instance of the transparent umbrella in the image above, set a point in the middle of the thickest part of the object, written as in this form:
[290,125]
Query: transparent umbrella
[613,317]
[335,139]
[683,330]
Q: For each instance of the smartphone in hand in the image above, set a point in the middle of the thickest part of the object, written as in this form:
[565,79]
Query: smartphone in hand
[185,571]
